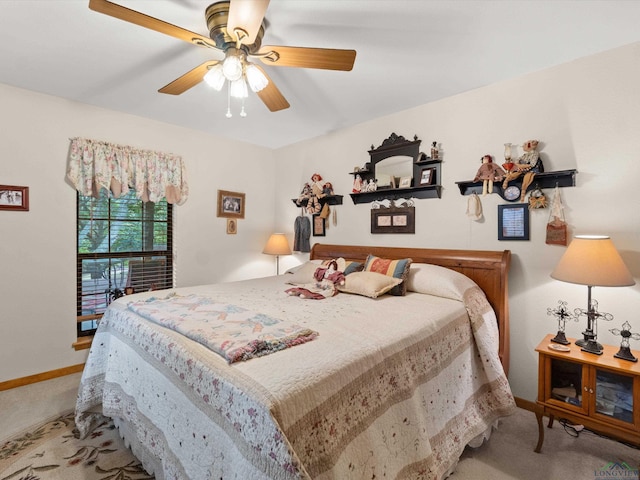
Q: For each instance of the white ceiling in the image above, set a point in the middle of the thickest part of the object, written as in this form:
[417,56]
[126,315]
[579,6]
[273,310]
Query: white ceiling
[409,52]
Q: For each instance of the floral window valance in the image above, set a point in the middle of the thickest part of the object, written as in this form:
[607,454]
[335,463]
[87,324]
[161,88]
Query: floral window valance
[94,165]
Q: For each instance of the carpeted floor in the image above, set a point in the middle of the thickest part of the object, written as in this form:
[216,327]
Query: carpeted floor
[51,451]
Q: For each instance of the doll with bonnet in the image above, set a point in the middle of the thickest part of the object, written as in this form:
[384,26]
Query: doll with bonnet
[488,172]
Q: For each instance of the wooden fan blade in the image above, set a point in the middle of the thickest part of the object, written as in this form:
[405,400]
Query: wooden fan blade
[188,80]
[246,15]
[137,18]
[271,96]
[323,58]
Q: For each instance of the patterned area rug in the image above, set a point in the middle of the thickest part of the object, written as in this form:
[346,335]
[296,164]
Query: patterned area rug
[52,451]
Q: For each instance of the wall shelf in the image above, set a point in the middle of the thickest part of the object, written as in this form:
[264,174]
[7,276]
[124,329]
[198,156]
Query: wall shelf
[330,199]
[398,146]
[561,178]
[427,191]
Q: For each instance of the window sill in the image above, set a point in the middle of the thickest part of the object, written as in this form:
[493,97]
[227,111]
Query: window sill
[82,343]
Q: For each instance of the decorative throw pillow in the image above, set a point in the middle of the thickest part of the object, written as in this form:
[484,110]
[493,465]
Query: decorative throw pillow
[368,284]
[392,268]
[353,267]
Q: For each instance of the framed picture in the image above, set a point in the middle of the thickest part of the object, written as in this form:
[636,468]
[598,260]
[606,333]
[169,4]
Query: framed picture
[405,182]
[232,226]
[427,176]
[513,222]
[14,198]
[393,220]
[230,204]
[318,226]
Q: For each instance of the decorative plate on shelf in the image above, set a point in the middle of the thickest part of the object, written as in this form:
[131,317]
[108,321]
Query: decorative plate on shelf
[559,348]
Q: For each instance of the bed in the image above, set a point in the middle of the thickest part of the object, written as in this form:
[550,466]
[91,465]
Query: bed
[387,387]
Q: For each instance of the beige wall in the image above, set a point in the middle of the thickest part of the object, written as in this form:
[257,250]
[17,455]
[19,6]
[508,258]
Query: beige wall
[586,115]
[37,248]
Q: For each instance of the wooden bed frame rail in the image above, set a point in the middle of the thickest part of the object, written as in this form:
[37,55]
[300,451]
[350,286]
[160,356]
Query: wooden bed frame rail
[489,269]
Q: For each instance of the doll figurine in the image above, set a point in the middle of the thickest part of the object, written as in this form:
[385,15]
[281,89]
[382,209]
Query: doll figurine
[488,172]
[357,184]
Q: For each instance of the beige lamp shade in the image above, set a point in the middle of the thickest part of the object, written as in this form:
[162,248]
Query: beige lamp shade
[594,261]
[277,245]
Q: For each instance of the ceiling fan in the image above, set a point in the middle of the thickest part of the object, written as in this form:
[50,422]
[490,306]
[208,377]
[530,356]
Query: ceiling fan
[236,29]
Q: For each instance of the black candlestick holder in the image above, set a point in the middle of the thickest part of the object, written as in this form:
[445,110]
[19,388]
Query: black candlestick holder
[625,351]
[562,314]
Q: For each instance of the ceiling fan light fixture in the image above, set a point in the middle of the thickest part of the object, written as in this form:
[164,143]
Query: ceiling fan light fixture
[215,78]
[255,78]
[232,67]
[238,88]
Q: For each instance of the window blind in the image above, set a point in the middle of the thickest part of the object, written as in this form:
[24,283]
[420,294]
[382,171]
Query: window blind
[124,246]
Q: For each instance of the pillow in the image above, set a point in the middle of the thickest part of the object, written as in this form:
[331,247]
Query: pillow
[368,284]
[352,267]
[302,274]
[438,281]
[298,267]
[392,268]
[340,263]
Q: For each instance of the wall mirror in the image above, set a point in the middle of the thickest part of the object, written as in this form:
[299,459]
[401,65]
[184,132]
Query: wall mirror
[390,170]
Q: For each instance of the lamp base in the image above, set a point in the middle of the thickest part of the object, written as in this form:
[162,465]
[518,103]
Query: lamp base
[590,346]
[561,338]
[588,342]
[625,354]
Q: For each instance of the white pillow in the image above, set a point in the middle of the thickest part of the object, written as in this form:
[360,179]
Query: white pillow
[368,284]
[298,267]
[438,281]
[302,274]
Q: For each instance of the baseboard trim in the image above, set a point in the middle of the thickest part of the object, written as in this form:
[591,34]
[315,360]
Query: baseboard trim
[40,377]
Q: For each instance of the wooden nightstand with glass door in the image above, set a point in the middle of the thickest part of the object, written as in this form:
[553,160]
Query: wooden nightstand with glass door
[600,392]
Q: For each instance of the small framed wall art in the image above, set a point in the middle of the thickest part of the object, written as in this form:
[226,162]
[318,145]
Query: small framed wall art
[14,198]
[427,176]
[405,182]
[232,226]
[318,226]
[230,204]
[393,220]
[513,222]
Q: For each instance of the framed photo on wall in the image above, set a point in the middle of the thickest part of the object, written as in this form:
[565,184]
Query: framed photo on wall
[14,198]
[513,222]
[393,220]
[230,204]
[318,226]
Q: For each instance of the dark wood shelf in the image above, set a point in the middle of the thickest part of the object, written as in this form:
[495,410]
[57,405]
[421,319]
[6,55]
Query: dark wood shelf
[330,199]
[561,178]
[428,161]
[426,191]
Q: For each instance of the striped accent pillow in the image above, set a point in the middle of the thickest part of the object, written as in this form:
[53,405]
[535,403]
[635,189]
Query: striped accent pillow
[392,268]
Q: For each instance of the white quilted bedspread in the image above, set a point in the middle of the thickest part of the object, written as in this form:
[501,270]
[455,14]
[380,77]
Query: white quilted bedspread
[393,387]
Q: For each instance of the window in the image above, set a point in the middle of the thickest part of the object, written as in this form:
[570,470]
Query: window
[123,245]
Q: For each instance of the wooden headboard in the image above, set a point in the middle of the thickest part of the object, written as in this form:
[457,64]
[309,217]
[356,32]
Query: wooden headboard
[489,269]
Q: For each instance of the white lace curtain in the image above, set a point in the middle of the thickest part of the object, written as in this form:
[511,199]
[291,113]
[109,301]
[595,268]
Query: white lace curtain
[94,165]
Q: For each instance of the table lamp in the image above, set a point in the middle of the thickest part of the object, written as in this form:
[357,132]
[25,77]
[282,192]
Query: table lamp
[592,260]
[277,245]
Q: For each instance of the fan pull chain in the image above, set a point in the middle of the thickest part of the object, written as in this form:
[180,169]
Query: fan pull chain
[229,100]
[242,112]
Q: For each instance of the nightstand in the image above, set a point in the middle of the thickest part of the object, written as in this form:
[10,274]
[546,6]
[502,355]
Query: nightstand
[600,392]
